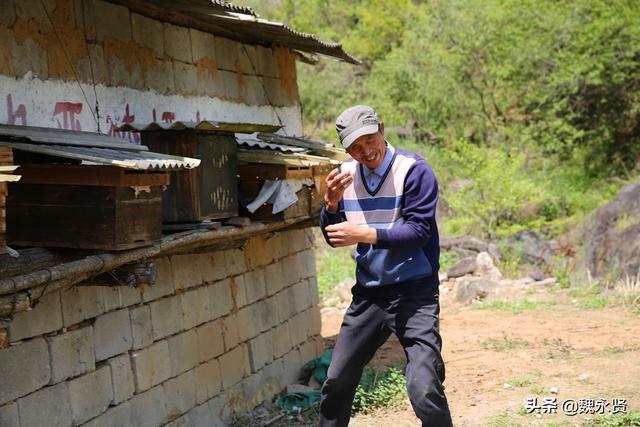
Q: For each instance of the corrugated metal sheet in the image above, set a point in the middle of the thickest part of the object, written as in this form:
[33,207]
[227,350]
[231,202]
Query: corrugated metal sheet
[236,23]
[256,143]
[204,125]
[141,160]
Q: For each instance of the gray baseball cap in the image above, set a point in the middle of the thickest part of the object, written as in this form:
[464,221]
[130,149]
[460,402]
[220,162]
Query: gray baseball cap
[354,122]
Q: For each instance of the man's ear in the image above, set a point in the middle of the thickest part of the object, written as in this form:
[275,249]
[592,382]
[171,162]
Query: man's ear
[381,128]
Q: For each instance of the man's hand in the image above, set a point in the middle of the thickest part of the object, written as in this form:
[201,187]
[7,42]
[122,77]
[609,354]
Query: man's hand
[336,183]
[347,233]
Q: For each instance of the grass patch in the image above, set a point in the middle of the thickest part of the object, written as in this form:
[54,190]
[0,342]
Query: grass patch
[333,267]
[515,307]
[379,390]
[624,348]
[504,344]
[585,291]
[594,302]
[632,419]
[558,349]
[525,380]
[448,259]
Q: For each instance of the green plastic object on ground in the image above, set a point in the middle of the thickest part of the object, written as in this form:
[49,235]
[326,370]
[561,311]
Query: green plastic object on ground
[302,400]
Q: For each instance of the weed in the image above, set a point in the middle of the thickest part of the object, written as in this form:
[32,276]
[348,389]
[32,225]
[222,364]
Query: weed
[333,267]
[448,259]
[632,419]
[515,307]
[504,344]
[627,291]
[558,349]
[626,347]
[379,390]
[538,390]
[594,302]
[584,291]
[520,381]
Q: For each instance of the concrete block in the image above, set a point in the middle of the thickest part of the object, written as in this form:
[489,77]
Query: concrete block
[208,380]
[45,317]
[227,53]
[247,323]
[300,293]
[221,296]
[121,378]
[29,57]
[254,284]
[186,80]
[112,334]
[49,406]
[257,253]
[279,245]
[307,259]
[274,278]
[231,327]
[201,416]
[292,366]
[266,313]
[281,340]
[121,72]
[160,77]
[80,303]
[129,296]
[298,329]
[183,352]
[186,272]
[164,283]
[96,69]
[180,393]
[110,298]
[112,21]
[292,270]
[267,62]
[260,351]
[308,351]
[17,381]
[275,92]
[210,341]
[312,282]
[232,91]
[141,326]
[284,304]
[117,416]
[166,316]
[149,408]
[314,321]
[9,415]
[234,262]
[298,240]
[196,307]
[27,10]
[238,292]
[148,32]
[72,354]
[90,394]
[248,59]
[213,266]
[254,92]
[8,13]
[202,45]
[151,366]
[177,43]
[234,366]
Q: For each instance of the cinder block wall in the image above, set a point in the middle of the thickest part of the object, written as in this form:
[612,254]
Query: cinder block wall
[216,335]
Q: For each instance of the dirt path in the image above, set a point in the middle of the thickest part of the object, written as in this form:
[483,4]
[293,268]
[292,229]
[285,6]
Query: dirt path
[496,359]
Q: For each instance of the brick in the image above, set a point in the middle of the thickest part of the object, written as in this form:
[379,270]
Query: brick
[160,77]
[267,63]
[149,408]
[7,19]
[186,272]
[298,240]
[279,245]
[313,291]
[9,415]
[116,416]
[110,297]
[300,295]
[266,313]
[129,296]
[221,296]
[248,59]
[260,351]
[141,326]
[17,381]
[148,33]
[180,393]
[112,21]
[232,91]
[257,253]
[227,53]
[166,317]
[308,351]
[254,91]
[238,292]
[213,266]
[121,378]
[49,406]
[45,317]
[210,341]
[151,366]
[314,321]
[208,380]
[186,80]
[281,340]
[196,307]
[94,70]
[247,323]
[292,270]
[202,45]
[80,303]
[27,10]
[112,334]
[177,43]
[273,278]
[234,365]
[183,352]
[275,92]
[164,283]
[298,328]
[230,330]
[307,259]
[292,367]
[72,354]
[284,304]
[234,261]
[255,286]
[90,395]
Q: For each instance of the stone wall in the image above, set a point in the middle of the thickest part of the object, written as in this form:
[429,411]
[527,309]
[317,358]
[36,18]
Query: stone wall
[57,56]
[217,334]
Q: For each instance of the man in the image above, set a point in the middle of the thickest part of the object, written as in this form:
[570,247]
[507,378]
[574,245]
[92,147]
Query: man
[384,200]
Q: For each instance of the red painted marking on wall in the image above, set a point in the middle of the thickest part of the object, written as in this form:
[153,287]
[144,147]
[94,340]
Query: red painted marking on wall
[153,115]
[168,116]
[197,116]
[68,111]
[19,113]
[113,123]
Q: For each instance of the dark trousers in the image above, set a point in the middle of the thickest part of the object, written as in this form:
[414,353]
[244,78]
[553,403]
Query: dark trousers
[366,326]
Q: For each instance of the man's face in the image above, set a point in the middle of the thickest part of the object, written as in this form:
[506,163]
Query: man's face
[369,149]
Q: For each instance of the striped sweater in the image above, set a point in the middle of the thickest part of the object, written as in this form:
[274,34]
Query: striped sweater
[402,209]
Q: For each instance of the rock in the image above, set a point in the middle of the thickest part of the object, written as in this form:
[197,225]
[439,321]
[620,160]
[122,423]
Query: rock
[486,268]
[612,237]
[474,288]
[546,282]
[554,390]
[468,243]
[531,246]
[494,251]
[463,267]
[343,289]
[536,274]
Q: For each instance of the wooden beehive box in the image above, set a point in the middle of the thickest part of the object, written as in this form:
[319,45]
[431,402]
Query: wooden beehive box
[252,176]
[207,192]
[85,207]
[6,159]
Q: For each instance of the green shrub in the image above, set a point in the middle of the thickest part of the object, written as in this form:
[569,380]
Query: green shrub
[379,390]
[632,419]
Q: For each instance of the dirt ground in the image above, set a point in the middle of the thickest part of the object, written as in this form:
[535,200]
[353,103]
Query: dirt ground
[496,359]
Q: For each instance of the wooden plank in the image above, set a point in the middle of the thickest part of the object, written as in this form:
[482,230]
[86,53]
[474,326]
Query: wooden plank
[90,175]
